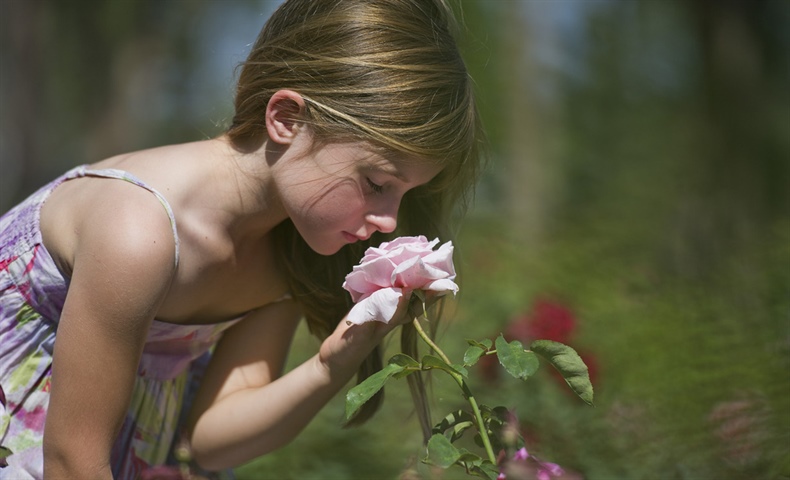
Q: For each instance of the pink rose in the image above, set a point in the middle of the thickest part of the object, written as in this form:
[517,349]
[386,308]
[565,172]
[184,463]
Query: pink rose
[406,263]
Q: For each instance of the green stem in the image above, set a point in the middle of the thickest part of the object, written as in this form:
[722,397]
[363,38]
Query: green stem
[481,427]
[427,339]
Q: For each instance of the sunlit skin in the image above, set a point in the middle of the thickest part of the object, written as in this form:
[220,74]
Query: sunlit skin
[114,241]
[345,193]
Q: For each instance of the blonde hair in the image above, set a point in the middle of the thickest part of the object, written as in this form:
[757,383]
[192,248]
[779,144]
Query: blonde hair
[384,72]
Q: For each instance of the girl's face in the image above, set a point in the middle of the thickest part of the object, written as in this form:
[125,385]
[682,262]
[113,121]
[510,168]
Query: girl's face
[342,193]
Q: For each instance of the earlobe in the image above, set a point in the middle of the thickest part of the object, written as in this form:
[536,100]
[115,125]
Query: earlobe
[283,116]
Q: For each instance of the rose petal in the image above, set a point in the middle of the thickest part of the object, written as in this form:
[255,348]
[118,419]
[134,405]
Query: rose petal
[379,306]
[442,286]
[415,274]
[442,259]
[420,239]
[378,271]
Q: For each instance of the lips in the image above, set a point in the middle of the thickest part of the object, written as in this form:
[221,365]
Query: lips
[350,238]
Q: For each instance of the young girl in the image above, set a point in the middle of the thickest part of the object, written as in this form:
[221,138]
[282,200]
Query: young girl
[354,123]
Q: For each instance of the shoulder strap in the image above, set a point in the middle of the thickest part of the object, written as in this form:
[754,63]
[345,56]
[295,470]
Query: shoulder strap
[128,177]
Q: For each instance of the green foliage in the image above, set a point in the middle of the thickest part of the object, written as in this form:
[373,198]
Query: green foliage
[476,350]
[569,364]
[518,362]
[441,452]
[357,396]
[454,424]
[488,423]
[4,454]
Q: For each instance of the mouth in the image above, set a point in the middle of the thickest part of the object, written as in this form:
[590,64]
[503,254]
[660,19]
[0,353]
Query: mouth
[350,238]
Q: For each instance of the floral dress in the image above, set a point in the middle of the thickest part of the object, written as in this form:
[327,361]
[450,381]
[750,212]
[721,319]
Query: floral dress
[32,294]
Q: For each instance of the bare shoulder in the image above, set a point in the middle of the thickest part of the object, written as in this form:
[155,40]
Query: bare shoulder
[113,222]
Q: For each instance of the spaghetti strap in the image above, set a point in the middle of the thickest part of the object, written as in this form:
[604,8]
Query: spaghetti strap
[33,293]
[126,176]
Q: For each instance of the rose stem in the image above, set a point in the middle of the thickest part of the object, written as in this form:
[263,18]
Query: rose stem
[461,383]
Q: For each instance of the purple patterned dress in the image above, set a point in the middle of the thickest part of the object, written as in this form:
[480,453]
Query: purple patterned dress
[32,294]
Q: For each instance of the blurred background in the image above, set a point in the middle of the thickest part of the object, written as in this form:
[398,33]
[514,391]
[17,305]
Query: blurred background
[636,207]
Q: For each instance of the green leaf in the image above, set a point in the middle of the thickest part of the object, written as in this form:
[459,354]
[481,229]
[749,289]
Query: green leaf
[429,361]
[409,364]
[468,457]
[485,343]
[441,452]
[4,454]
[459,429]
[460,369]
[486,470]
[517,361]
[452,419]
[469,460]
[457,422]
[472,355]
[361,393]
[404,361]
[570,365]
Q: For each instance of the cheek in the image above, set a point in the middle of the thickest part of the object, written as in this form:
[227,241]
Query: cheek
[334,202]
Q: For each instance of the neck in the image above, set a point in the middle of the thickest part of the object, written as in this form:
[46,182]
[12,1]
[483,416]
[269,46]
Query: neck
[243,194]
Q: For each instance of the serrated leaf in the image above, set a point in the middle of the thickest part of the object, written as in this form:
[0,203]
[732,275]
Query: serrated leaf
[441,452]
[569,364]
[361,393]
[517,361]
[472,355]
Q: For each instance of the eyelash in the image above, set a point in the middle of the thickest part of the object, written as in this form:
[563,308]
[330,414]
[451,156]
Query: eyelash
[376,188]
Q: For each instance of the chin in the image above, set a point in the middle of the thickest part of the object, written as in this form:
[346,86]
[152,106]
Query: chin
[325,250]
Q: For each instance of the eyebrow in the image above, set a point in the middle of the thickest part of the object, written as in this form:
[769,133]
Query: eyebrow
[389,169]
[395,174]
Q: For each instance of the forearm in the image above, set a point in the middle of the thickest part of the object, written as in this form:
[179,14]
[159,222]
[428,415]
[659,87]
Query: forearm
[253,422]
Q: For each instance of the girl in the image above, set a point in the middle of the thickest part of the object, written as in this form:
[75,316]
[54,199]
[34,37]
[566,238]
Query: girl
[354,122]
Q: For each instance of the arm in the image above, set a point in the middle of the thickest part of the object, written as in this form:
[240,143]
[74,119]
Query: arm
[244,410]
[122,261]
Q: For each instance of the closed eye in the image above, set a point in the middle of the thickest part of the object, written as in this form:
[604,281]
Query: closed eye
[374,187]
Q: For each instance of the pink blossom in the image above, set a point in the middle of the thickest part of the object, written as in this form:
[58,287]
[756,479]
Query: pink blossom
[521,454]
[522,463]
[385,272]
[546,470]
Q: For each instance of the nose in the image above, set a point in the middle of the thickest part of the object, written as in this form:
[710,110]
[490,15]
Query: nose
[385,218]
[383,223]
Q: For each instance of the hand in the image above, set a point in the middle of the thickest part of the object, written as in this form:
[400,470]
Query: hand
[348,345]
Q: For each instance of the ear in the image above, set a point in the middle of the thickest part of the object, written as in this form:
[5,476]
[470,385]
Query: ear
[282,116]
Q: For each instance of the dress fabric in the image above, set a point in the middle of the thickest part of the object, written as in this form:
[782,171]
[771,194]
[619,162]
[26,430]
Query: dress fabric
[32,294]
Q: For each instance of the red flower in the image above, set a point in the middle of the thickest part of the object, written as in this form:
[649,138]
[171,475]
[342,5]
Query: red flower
[550,321]
[547,320]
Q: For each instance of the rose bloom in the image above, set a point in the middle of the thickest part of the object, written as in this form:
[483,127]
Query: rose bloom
[402,265]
